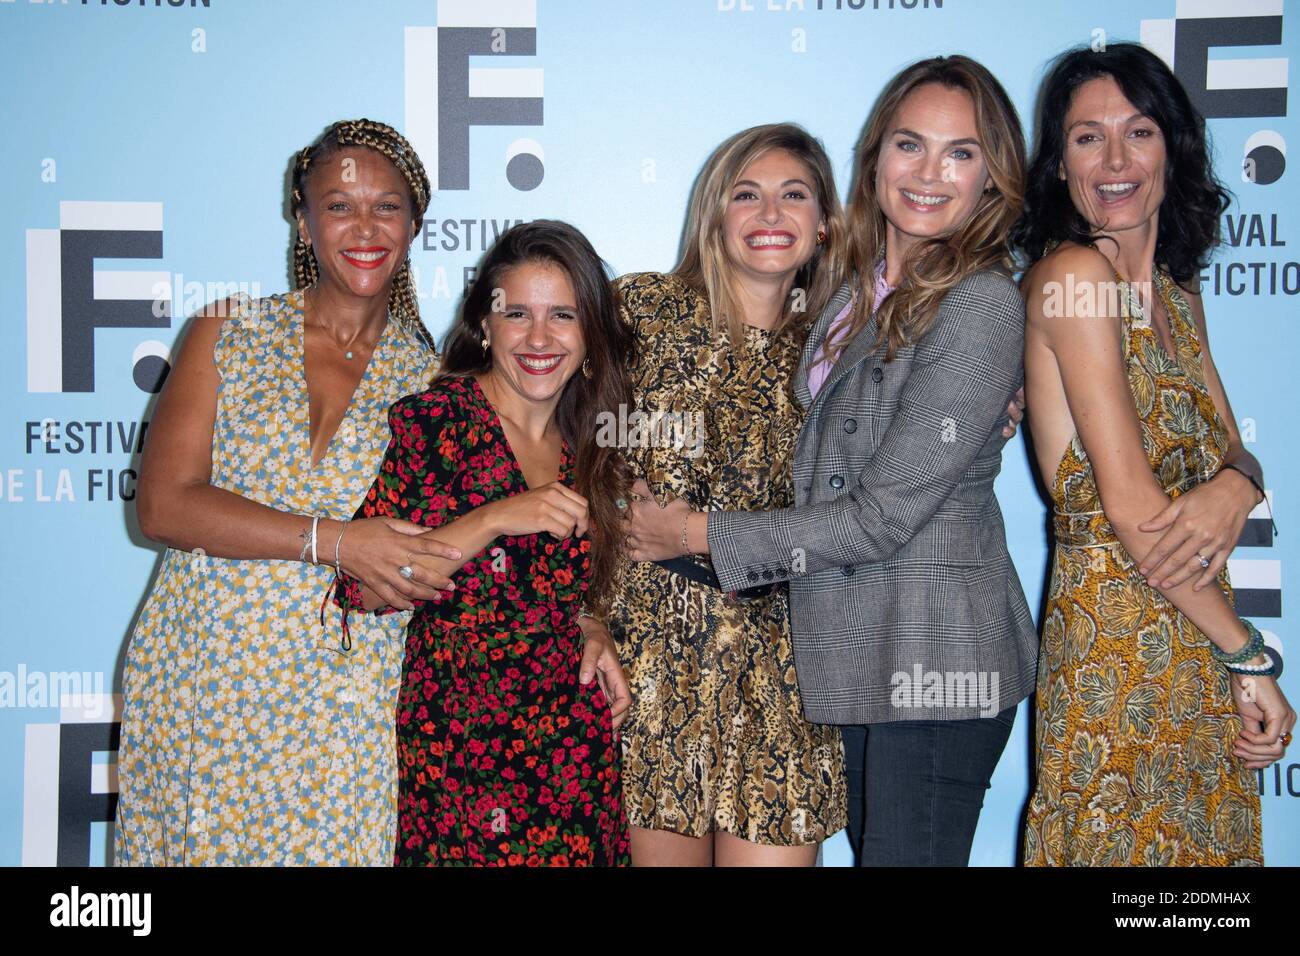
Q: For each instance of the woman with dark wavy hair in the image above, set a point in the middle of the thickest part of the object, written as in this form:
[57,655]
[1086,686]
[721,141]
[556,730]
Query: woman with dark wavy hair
[1155,701]
[504,757]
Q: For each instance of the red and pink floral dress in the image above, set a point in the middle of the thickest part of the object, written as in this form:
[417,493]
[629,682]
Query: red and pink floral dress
[503,758]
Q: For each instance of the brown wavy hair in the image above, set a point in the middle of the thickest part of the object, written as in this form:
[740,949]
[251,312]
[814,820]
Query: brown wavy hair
[603,477]
[934,266]
[403,303]
[704,263]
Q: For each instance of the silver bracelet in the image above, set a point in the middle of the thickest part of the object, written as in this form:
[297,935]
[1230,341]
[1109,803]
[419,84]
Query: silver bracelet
[306,535]
[315,520]
[338,541]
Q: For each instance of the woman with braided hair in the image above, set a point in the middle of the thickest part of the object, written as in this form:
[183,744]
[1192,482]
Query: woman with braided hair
[251,733]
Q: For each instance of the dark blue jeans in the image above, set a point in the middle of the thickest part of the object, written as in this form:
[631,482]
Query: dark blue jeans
[916,787]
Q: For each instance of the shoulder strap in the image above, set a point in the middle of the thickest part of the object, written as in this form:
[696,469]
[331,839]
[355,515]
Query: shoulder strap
[1130,310]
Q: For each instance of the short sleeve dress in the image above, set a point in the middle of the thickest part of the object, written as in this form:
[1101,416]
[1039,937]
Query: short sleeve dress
[504,758]
[249,736]
[716,739]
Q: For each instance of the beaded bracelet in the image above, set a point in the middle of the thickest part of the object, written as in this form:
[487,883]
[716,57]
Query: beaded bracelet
[1272,669]
[1254,646]
[1273,653]
[1267,669]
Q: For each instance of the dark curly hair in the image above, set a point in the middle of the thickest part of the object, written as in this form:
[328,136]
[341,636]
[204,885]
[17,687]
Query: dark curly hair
[1192,210]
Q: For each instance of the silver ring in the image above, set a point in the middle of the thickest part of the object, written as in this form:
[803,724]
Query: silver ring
[1205,562]
[406,571]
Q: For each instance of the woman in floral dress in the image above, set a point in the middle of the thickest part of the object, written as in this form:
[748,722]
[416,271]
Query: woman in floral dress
[504,758]
[249,736]
[1156,703]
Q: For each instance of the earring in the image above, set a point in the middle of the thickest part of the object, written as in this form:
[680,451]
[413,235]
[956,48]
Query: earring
[484,343]
[586,368]
[821,236]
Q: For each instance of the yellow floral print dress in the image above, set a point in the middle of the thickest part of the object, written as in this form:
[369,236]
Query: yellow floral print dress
[249,736]
[1136,720]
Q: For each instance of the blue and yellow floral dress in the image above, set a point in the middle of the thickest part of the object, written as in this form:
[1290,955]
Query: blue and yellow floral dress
[249,736]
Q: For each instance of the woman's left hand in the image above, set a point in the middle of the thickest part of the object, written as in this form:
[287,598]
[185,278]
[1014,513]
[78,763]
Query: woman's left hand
[1206,521]
[1015,414]
[654,533]
[600,660]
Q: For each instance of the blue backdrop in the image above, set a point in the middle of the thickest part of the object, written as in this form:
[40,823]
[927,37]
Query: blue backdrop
[145,152]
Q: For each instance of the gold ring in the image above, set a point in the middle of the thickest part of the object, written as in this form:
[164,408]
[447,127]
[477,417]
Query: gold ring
[1286,739]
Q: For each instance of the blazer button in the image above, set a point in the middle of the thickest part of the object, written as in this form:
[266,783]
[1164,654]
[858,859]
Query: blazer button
[807,489]
[846,571]
[753,575]
[850,425]
[877,375]
[768,574]
[837,481]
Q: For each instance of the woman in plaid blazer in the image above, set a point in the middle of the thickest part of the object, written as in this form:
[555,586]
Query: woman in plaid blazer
[910,627]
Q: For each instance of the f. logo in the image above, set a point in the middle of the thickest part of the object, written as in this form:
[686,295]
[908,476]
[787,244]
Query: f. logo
[68,299]
[1223,87]
[445,96]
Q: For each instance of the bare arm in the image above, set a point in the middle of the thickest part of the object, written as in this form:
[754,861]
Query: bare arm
[178,506]
[1207,521]
[1087,345]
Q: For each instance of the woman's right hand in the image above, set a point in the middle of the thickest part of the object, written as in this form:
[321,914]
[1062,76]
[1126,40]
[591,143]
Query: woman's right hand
[551,508]
[1266,718]
[373,549]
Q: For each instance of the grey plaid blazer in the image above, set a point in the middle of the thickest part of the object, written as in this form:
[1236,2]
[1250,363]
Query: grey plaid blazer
[904,603]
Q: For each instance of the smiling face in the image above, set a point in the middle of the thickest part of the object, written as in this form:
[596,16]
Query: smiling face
[931,172]
[534,336]
[358,217]
[769,229]
[1114,158]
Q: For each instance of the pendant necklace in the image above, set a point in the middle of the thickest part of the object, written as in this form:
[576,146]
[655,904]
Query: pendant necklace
[347,349]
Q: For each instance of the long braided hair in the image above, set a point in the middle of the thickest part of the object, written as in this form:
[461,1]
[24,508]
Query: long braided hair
[403,304]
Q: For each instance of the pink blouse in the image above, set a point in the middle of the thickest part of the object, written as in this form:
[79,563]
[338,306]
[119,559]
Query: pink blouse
[821,368]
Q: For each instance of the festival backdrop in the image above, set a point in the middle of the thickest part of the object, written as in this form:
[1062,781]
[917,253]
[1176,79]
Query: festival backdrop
[142,173]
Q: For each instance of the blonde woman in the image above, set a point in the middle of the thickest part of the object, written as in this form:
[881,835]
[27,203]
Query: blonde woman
[894,548]
[720,764]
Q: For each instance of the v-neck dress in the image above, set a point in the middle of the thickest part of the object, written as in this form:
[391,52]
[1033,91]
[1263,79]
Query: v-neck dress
[1135,716]
[504,759]
[249,736]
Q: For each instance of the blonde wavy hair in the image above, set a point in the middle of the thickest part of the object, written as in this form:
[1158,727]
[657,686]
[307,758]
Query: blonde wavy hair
[704,263]
[934,266]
